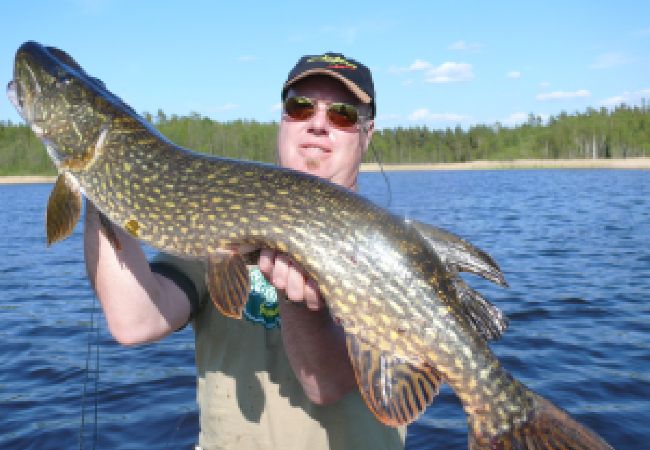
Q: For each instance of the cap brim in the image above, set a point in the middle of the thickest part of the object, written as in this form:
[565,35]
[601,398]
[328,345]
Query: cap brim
[356,90]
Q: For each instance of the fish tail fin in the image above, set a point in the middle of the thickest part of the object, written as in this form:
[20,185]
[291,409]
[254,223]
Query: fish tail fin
[548,427]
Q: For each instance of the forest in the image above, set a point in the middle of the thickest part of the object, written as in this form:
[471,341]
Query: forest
[621,132]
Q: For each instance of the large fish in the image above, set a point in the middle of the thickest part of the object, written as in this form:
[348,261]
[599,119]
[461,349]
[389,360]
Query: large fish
[410,321]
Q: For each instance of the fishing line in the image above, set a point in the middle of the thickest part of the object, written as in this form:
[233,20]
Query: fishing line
[92,333]
[375,154]
[179,423]
[95,434]
[85,385]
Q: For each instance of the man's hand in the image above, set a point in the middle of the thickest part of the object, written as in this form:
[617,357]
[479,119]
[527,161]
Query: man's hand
[288,277]
[315,345]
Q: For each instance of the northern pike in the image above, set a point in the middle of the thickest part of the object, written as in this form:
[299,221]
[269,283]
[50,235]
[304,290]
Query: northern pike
[410,322]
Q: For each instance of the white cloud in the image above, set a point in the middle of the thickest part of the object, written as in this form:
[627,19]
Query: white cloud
[515,119]
[423,114]
[465,46]
[419,64]
[563,95]
[520,118]
[544,84]
[446,72]
[513,74]
[615,101]
[608,61]
[449,72]
[629,98]
[276,107]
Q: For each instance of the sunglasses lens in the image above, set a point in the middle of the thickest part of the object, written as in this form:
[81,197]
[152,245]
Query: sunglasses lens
[342,114]
[303,108]
[299,108]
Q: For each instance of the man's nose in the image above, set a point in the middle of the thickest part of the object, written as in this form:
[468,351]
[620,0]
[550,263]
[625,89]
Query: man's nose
[319,123]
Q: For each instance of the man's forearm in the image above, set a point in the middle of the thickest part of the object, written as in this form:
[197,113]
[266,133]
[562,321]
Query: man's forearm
[316,349]
[139,306]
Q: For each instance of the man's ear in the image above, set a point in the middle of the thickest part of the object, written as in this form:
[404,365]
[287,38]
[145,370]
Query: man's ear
[367,127]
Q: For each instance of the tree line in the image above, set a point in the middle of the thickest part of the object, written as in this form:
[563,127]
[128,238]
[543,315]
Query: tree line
[622,132]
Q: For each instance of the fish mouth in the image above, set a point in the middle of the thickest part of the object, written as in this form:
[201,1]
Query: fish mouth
[16,93]
[12,95]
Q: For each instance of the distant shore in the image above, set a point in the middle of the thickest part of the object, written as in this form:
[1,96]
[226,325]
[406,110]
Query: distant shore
[620,163]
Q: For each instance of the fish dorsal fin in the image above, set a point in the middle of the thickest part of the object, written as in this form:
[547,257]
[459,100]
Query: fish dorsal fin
[456,252]
[486,319]
[459,255]
[229,284]
[397,391]
[63,208]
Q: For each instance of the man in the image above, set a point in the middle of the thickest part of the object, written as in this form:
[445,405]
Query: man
[262,385]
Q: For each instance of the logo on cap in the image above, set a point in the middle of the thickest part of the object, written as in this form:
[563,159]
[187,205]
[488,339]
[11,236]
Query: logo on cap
[334,62]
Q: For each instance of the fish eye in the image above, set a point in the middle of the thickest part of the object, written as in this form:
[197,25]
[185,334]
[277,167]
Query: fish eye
[63,79]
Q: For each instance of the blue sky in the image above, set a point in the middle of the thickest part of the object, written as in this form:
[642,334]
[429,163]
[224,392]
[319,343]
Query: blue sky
[435,63]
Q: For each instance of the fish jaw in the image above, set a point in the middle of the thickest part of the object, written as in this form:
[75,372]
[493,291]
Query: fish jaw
[60,104]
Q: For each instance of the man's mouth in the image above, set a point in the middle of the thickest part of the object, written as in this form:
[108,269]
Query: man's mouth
[313,150]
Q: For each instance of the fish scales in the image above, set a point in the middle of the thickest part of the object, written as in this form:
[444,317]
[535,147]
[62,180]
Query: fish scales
[362,245]
[392,285]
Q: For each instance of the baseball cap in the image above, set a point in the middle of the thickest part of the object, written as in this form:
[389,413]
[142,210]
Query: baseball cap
[354,75]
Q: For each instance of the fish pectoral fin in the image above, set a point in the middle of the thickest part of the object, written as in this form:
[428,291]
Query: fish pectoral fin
[396,390]
[486,319]
[63,208]
[458,253]
[229,284]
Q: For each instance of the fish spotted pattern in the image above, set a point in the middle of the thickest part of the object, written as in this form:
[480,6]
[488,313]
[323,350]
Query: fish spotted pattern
[411,322]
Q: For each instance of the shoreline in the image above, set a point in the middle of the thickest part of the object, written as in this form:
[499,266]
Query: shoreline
[614,163]
[617,163]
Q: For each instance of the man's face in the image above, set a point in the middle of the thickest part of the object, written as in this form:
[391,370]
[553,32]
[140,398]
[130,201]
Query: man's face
[315,145]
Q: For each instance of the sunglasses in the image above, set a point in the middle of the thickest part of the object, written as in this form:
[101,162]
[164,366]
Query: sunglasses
[341,115]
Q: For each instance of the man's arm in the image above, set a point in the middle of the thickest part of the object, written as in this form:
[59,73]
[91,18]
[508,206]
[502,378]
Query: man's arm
[315,345]
[140,306]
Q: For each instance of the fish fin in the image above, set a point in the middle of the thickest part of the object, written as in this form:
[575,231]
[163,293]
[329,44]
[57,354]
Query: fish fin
[549,428]
[486,319]
[456,252]
[396,390]
[63,208]
[229,284]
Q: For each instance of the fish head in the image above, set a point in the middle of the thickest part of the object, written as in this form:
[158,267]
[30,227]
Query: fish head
[70,111]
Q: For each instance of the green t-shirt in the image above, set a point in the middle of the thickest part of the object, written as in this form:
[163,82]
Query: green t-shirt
[248,395]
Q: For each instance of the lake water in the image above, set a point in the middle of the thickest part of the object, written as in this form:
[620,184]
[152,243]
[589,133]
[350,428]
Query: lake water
[574,246]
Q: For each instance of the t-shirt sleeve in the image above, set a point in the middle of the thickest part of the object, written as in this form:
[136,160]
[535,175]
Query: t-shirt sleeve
[187,274]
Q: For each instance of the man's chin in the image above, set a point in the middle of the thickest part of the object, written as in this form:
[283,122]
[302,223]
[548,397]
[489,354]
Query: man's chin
[312,165]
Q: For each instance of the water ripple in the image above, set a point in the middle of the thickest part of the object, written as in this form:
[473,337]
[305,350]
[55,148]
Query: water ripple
[573,245]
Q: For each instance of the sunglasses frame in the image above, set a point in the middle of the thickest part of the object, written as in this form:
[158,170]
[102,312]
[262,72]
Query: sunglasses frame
[331,110]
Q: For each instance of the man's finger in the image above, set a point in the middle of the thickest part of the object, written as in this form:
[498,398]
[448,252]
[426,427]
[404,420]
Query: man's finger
[280,271]
[312,296]
[266,260]
[295,284]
